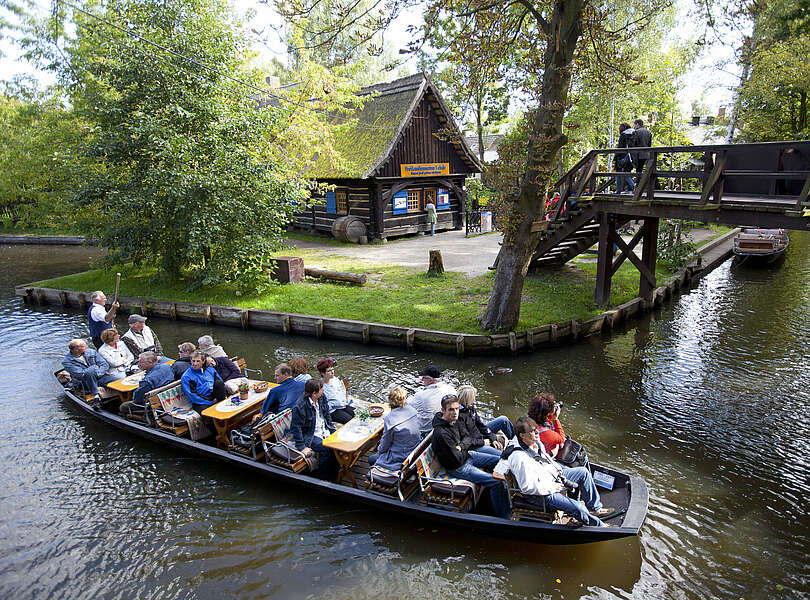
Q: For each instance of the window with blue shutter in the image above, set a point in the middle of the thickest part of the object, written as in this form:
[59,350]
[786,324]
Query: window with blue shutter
[443,199]
[401,203]
[331,202]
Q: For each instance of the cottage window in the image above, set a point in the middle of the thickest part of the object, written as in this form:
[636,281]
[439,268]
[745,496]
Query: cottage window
[413,201]
[341,203]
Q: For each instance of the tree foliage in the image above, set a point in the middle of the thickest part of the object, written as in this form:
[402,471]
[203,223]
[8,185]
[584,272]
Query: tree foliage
[188,164]
[773,100]
[39,170]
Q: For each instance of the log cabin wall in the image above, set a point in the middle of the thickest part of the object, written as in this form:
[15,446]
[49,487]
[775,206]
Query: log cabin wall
[358,195]
[416,222]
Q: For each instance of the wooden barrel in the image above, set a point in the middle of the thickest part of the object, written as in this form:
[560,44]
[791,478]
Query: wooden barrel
[350,228]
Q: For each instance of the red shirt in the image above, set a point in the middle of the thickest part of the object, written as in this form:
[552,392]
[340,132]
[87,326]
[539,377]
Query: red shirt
[552,436]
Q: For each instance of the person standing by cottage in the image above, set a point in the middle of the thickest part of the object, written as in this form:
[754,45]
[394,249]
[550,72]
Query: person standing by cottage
[642,138]
[432,217]
[99,319]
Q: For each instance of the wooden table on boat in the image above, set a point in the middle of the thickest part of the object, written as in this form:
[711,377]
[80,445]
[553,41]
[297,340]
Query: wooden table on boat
[126,385]
[227,415]
[355,437]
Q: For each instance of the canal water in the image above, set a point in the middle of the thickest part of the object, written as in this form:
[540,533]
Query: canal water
[706,399]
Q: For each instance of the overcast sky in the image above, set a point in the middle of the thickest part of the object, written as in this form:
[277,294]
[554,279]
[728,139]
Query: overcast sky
[704,79]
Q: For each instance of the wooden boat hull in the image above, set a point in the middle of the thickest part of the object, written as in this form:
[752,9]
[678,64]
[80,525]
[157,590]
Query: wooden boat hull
[544,533]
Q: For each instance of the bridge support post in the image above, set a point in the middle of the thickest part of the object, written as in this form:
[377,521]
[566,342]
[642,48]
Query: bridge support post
[604,261]
[649,256]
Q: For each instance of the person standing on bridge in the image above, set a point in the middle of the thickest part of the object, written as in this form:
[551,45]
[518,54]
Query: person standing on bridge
[642,138]
[624,161]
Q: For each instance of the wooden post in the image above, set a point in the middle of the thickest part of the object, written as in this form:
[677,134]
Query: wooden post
[366,334]
[460,346]
[208,314]
[285,324]
[604,261]
[409,339]
[319,329]
[435,264]
[649,256]
[244,318]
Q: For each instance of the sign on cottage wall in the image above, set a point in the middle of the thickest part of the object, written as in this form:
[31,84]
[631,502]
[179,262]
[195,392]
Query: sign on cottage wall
[424,169]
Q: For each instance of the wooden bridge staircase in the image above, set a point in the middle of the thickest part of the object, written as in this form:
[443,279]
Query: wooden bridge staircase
[567,237]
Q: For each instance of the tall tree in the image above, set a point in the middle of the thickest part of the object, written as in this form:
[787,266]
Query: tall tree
[545,37]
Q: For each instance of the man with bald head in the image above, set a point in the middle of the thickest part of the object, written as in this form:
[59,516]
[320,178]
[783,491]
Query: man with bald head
[86,367]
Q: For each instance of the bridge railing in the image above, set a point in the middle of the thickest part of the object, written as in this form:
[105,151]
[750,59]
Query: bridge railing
[702,175]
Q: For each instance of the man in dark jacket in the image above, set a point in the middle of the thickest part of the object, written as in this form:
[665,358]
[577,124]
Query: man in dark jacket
[452,443]
[285,395]
[642,138]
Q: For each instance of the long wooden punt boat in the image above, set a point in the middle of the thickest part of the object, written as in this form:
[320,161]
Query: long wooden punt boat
[629,494]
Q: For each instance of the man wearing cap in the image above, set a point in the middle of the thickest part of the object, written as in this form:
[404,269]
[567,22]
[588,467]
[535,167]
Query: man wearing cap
[428,401]
[140,337]
[98,318]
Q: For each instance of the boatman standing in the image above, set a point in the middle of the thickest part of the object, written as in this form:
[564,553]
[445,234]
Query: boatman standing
[98,318]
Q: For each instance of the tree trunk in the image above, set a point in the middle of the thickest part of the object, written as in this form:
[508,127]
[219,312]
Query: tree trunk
[435,264]
[519,243]
[479,101]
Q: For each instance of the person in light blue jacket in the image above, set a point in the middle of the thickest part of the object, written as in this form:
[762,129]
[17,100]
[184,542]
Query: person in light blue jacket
[400,433]
[86,367]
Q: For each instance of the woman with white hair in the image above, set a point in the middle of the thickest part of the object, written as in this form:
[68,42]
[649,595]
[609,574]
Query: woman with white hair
[207,346]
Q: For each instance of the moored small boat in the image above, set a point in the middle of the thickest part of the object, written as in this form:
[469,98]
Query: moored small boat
[627,494]
[761,245]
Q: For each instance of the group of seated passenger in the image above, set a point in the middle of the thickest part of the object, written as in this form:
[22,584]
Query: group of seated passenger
[468,448]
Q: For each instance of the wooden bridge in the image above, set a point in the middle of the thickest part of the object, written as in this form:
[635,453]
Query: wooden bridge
[754,185]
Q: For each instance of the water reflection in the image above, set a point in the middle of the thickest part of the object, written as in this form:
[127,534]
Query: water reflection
[706,400]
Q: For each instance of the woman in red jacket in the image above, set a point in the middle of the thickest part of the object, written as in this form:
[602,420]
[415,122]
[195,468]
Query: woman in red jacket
[545,411]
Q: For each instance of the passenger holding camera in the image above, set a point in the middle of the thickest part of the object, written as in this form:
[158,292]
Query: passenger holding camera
[541,479]
[545,410]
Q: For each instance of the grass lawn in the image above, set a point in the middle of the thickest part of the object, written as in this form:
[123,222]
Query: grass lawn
[395,295]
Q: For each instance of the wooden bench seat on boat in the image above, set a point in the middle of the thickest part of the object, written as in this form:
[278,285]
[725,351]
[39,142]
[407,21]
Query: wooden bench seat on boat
[251,444]
[523,509]
[280,450]
[401,483]
[439,489]
[172,411]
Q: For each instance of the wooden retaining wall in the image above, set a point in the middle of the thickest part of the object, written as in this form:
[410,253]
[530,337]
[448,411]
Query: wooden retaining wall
[411,339]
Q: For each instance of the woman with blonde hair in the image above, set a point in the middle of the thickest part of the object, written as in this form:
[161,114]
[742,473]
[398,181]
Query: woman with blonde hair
[483,434]
[400,433]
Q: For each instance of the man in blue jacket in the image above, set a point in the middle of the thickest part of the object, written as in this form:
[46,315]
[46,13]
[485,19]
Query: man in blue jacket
[157,375]
[285,395]
[202,385]
[86,367]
